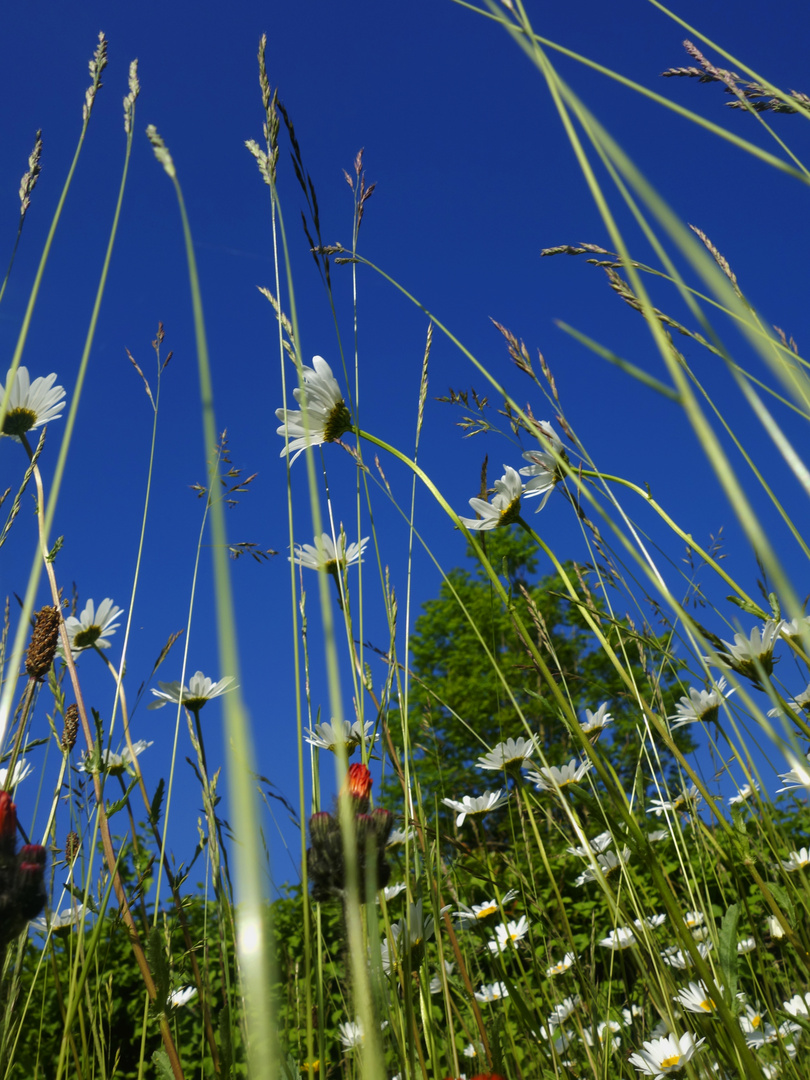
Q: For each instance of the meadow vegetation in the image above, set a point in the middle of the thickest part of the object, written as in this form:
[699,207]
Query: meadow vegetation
[539,881]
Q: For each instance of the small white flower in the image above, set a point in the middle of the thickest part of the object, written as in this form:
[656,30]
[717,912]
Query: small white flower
[561,1012]
[327,415]
[775,928]
[67,917]
[675,958]
[492,992]
[391,892]
[326,555]
[799,776]
[796,860]
[505,505]
[701,706]
[605,1032]
[400,836]
[652,922]
[112,763]
[21,770]
[696,998]
[794,628]
[661,1057]
[508,935]
[436,982]
[596,846]
[629,1015]
[469,916]
[411,933]
[550,778]
[200,689]
[750,655]
[178,998]
[472,805]
[746,945]
[562,965]
[327,736]
[657,835]
[621,937]
[543,468]
[30,404]
[688,800]
[598,721]
[509,755]
[351,1034]
[607,863]
[799,1005]
[94,626]
[694,918]
[745,793]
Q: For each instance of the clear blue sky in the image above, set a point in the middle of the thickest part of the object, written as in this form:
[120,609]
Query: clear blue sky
[474,178]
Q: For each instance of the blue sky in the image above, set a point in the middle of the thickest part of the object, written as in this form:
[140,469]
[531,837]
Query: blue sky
[474,178]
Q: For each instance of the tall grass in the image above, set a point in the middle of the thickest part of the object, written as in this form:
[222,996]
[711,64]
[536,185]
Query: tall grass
[544,881]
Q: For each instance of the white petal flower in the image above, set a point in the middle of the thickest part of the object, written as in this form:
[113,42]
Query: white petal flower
[799,1005]
[694,918]
[327,415]
[607,863]
[94,626]
[400,836]
[652,922]
[688,800]
[200,689]
[351,1034]
[30,404]
[178,998]
[112,763]
[746,945]
[544,468]
[409,933]
[492,992]
[21,770]
[471,805]
[511,754]
[796,860]
[67,917]
[328,556]
[701,705]
[509,935]
[675,958]
[596,846]
[469,916]
[562,965]
[622,937]
[596,722]
[799,776]
[605,1032]
[436,983]
[505,505]
[550,778]
[695,997]
[327,736]
[745,793]
[661,1057]
[561,1012]
[750,655]
[391,892]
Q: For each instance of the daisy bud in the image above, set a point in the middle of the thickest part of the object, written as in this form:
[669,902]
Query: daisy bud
[43,643]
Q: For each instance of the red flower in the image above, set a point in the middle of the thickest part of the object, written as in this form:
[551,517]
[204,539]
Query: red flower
[358,781]
[8,818]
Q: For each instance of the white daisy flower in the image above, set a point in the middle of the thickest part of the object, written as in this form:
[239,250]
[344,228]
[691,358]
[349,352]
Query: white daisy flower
[328,556]
[799,1005]
[595,722]
[652,922]
[775,928]
[470,805]
[749,655]
[701,706]
[200,689]
[631,1013]
[330,736]
[508,935]
[112,763]
[605,1032]
[410,933]
[661,1057]
[505,505]
[695,998]
[657,835]
[178,998]
[561,1012]
[550,777]
[400,836]
[391,892]
[796,860]
[675,958]
[746,945]
[327,415]
[493,992]
[436,982]
[794,628]
[799,776]
[30,404]
[562,965]
[469,916]
[745,793]
[351,1032]
[694,918]
[621,937]
[607,863]
[93,627]
[543,468]
[21,770]
[688,800]
[596,846]
[509,755]
[67,917]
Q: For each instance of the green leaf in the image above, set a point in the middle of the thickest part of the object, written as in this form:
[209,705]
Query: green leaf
[157,802]
[748,607]
[119,804]
[729,957]
[783,900]
[156,955]
[163,1068]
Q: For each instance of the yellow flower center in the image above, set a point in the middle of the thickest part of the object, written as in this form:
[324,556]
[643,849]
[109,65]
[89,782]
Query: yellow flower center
[87,637]
[511,513]
[707,1005]
[667,1063]
[490,909]
[18,421]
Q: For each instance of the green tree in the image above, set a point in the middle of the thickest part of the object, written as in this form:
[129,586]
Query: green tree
[459,704]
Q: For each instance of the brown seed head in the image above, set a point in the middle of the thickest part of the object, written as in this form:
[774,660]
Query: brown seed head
[71,728]
[43,644]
